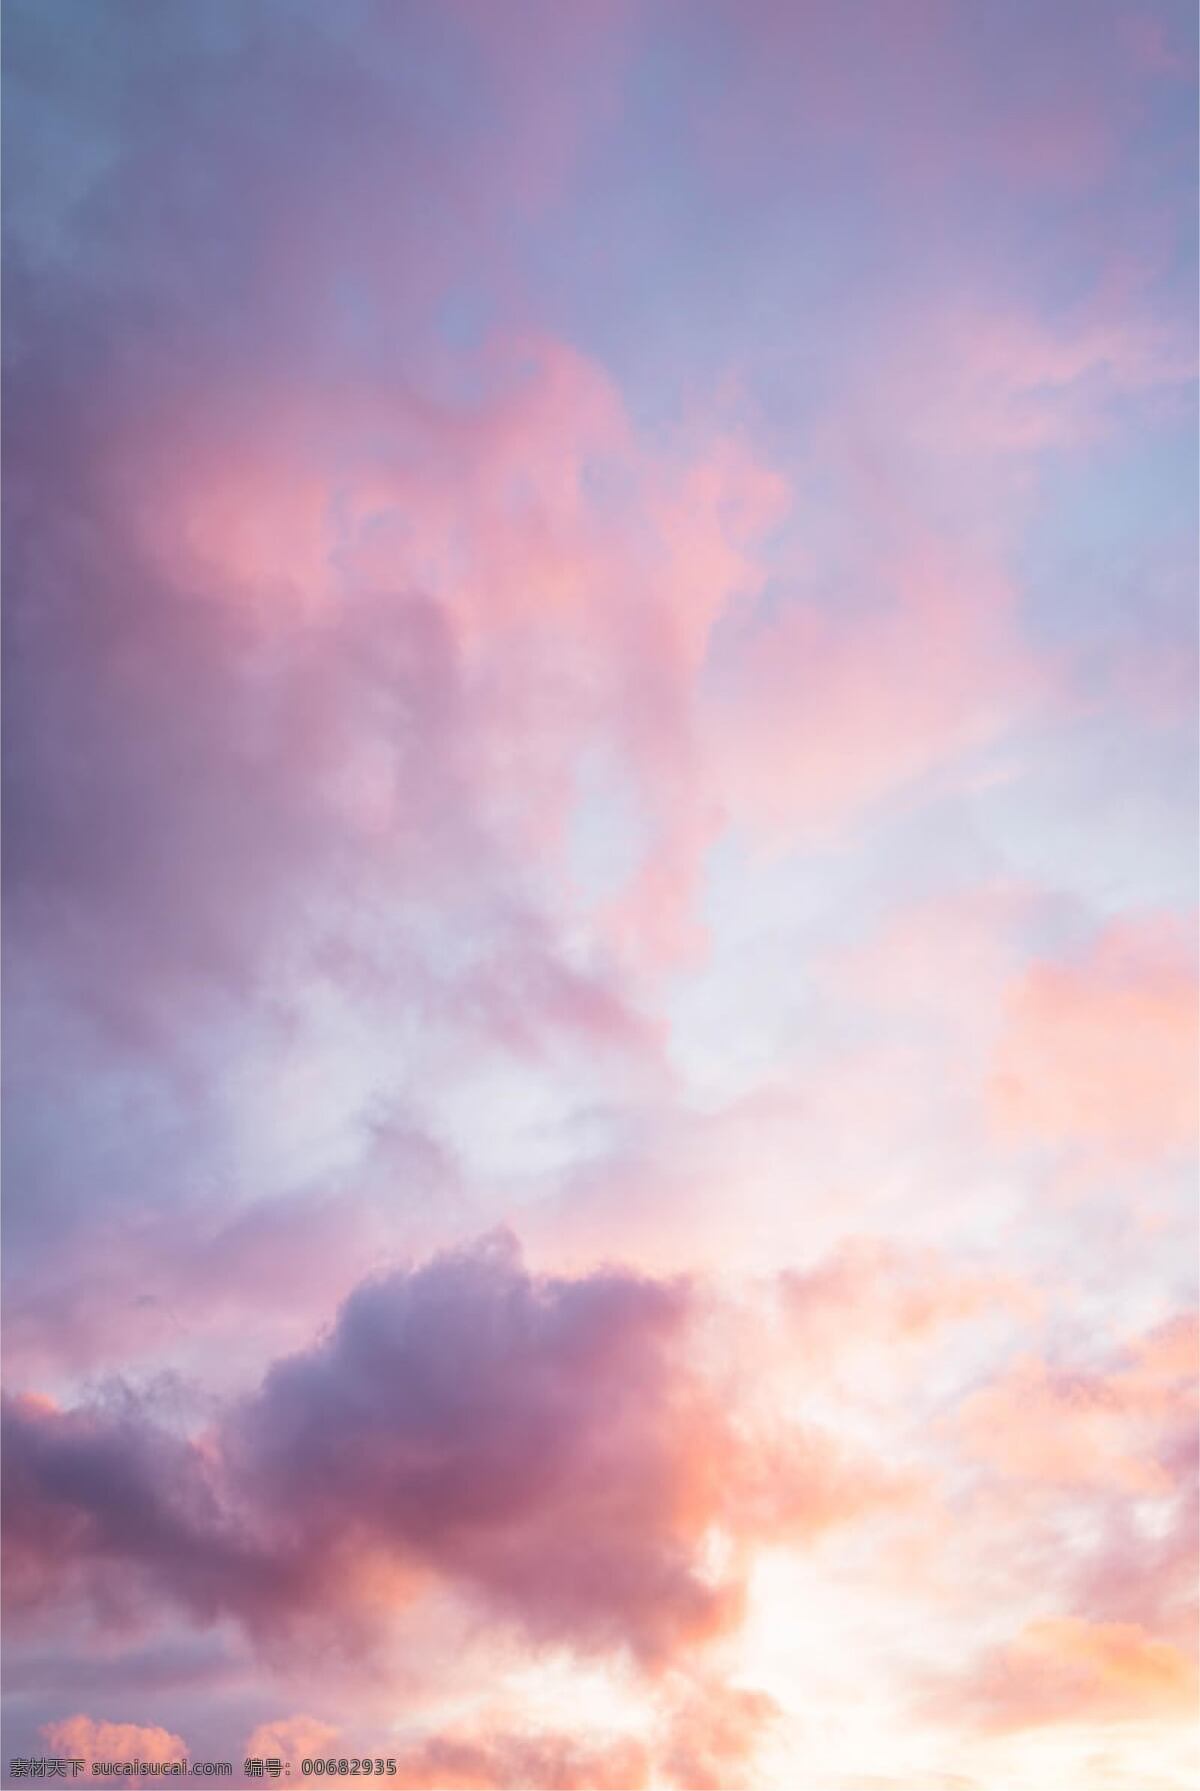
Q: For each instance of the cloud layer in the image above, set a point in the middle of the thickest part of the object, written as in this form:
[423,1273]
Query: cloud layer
[599,870]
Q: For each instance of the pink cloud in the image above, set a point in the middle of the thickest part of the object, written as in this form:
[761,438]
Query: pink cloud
[291,1738]
[947,957]
[545,1761]
[570,573]
[1100,1051]
[1063,1669]
[1109,1427]
[1059,1428]
[956,108]
[704,1733]
[712,1736]
[85,1738]
[826,709]
[878,1294]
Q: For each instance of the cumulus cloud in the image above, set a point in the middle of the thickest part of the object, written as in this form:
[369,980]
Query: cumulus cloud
[291,1738]
[543,1762]
[713,1733]
[706,1733]
[85,1738]
[555,1448]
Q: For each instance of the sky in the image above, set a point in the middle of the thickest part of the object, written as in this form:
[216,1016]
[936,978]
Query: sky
[600,880]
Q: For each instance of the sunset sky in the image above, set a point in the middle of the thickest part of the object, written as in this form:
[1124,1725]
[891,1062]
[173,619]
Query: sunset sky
[600,860]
